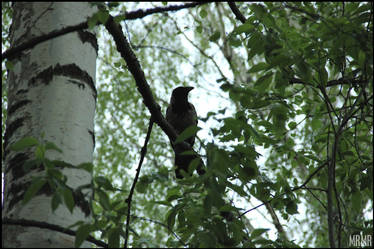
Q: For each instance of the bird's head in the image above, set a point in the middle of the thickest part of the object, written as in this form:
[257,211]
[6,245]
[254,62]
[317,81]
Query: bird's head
[180,94]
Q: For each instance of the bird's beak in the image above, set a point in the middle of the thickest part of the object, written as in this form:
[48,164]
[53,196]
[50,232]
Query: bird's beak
[189,88]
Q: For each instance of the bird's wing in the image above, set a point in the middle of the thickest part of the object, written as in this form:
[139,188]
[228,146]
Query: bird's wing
[193,110]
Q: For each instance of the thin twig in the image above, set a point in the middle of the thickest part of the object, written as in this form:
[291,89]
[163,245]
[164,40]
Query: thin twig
[310,191]
[329,83]
[161,224]
[129,199]
[200,50]
[293,189]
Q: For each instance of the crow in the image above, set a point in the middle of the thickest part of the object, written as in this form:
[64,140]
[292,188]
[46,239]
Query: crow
[181,114]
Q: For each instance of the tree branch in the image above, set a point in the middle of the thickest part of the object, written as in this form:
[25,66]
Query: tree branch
[135,69]
[237,12]
[331,175]
[330,83]
[293,189]
[142,13]
[161,224]
[312,15]
[12,52]
[45,225]
[129,199]
[201,51]
[133,65]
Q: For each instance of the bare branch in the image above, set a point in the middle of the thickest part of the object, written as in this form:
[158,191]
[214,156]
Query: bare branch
[330,83]
[12,52]
[161,224]
[302,186]
[142,13]
[129,199]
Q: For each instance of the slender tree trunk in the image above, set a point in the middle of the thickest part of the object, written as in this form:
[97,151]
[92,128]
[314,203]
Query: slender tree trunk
[51,97]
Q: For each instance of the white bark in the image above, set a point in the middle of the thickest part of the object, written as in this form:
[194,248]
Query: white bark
[59,103]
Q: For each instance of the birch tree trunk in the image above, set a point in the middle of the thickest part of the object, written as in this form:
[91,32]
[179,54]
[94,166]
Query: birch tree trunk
[52,97]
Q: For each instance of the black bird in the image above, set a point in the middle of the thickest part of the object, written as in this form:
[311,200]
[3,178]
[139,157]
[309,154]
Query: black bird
[181,114]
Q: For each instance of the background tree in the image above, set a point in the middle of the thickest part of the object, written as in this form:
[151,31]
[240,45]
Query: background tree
[294,79]
[51,98]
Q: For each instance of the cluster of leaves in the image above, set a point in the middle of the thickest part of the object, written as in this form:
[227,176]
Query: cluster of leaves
[52,176]
[318,47]
[110,221]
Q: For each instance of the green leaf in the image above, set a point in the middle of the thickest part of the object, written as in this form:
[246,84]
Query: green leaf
[216,35]
[361,58]
[86,166]
[268,20]
[257,232]
[258,10]
[173,194]
[82,234]
[40,152]
[62,164]
[263,82]
[208,203]
[165,203]
[303,70]
[365,182]
[356,201]
[234,41]
[291,207]
[143,184]
[55,174]
[55,202]
[113,237]
[227,208]
[103,199]
[170,217]
[104,182]
[52,146]
[24,143]
[259,67]
[36,184]
[316,124]
[281,60]
[91,22]
[103,16]
[237,189]
[203,13]
[119,18]
[243,28]
[68,199]
[199,29]
[187,133]
[292,125]
[256,44]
